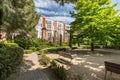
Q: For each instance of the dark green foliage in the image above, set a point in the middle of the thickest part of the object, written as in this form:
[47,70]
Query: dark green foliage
[11,45]
[52,50]
[53,64]
[59,70]
[44,59]
[40,44]
[32,48]
[24,43]
[10,58]
[71,38]
[60,40]
[2,44]
[1,12]
[78,77]
[28,51]
[19,17]
[55,44]
[65,44]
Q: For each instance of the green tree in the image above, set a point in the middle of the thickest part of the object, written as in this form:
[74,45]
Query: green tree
[31,18]
[60,40]
[91,18]
[1,15]
[19,17]
[1,11]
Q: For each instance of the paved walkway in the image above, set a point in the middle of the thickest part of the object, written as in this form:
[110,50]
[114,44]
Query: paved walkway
[29,69]
[109,50]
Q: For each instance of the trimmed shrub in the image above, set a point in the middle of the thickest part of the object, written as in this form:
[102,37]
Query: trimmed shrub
[32,48]
[24,43]
[40,44]
[52,50]
[65,44]
[78,77]
[59,70]
[11,45]
[2,44]
[28,51]
[10,58]
[44,59]
[56,44]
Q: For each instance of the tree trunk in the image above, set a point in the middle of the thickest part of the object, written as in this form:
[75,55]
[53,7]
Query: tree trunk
[60,40]
[70,41]
[78,44]
[92,46]
[106,46]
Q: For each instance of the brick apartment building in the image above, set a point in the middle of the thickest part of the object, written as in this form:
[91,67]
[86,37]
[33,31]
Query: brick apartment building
[51,30]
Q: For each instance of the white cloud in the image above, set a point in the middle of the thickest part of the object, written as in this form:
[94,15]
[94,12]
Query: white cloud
[45,3]
[51,9]
[67,20]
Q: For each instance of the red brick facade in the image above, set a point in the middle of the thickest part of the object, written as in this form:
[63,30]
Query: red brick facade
[53,28]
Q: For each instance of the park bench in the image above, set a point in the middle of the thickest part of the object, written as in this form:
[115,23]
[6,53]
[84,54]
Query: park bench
[61,49]
[112,67]
[74,47]
[66,55]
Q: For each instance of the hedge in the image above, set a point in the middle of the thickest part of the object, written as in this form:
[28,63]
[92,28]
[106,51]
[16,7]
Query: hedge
[10,58]
[44,59]
[59,70]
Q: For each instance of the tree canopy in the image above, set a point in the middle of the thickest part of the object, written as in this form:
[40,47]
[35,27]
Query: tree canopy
[94,20]
[18,17]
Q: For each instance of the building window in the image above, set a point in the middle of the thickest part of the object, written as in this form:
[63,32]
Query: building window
[67,27]
[59,27]
[49,27]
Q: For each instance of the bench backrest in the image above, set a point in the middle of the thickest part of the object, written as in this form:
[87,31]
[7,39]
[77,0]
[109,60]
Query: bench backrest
[113,67]
[66,55]
[61,49]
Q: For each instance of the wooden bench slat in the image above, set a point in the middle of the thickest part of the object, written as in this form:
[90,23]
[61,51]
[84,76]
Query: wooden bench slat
[66,55]
[112,67]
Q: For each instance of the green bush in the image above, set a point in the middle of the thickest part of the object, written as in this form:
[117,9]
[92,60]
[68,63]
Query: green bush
[32,48]
[2,44]
[24,43]
[78,77]
[11,45]
[53,64]
[56,44]
[44,59]
[84,46]
[65,44]
[10,57]
[41,44]
[59,70]
[28,51]
[52,50]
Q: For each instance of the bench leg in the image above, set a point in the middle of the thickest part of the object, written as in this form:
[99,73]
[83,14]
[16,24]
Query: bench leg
[110,75]
[105,75]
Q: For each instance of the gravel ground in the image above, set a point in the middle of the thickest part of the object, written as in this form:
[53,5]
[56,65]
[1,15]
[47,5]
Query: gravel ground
[91,64]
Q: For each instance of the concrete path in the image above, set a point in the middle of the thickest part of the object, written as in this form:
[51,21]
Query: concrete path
[109,50]
[29,69]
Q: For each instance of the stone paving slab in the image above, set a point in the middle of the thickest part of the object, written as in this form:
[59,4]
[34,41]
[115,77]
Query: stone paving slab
[29,69]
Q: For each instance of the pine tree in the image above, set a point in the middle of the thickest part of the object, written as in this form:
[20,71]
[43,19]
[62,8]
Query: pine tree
[19,17]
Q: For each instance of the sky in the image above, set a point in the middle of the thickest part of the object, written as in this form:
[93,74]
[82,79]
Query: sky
[51,10]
